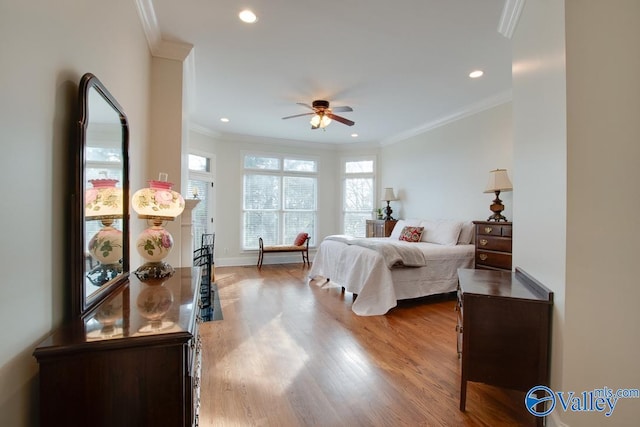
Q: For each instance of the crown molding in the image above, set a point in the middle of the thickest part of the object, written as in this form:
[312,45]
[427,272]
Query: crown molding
[149,23]
[510,17]
[158,47]
[204,130]
[470,110]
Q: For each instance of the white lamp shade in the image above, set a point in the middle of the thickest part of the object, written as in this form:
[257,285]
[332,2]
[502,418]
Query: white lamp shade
[388,195]
[158,201]
[498,181]
[103,201]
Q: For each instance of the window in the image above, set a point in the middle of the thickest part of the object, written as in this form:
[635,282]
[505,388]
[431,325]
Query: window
[201,176]
[279,199]
[358,195]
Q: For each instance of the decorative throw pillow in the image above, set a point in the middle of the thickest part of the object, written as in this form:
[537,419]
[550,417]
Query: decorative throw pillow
[300,239]
[397,229]
[411,234]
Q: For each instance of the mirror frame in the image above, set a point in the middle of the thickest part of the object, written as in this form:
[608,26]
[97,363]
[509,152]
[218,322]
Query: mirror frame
[82,303]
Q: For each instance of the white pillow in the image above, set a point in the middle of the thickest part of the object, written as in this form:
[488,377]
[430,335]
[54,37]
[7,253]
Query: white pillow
[402,223]
[466,234]
[442,232]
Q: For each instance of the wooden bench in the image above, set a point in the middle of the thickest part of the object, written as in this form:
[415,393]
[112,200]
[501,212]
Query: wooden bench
[303,249]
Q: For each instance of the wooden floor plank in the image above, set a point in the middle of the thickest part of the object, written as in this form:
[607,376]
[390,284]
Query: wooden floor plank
[291,353]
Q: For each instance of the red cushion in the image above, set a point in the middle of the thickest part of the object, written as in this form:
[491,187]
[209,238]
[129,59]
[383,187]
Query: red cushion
[411,234]
[300,239]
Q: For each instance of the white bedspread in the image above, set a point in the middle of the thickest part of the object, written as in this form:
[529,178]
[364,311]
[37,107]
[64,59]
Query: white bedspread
[364,271]
[397,253]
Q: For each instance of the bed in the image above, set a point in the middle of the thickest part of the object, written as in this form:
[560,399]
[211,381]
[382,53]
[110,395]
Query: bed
[382,271]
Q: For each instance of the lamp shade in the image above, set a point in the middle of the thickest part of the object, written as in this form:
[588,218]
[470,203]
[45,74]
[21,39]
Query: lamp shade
[158,201]
[103,201]
[498,181]
[388,195]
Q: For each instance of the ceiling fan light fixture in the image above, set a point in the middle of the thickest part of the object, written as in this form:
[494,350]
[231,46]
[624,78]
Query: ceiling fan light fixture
[320,121]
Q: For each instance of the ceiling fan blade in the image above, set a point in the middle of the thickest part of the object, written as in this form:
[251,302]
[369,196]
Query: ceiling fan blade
[341,109]
[341,119]
[306,105]
[298,115]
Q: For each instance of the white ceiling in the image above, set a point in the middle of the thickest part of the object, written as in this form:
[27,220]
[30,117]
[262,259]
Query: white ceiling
[401,65]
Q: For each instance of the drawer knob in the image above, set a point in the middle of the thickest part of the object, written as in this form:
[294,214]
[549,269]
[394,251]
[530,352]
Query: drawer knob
[483,257]
[483,242]
[488,230]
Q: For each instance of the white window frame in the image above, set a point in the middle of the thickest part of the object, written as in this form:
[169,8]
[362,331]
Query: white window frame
[282,173]
[208,177]
[345,175]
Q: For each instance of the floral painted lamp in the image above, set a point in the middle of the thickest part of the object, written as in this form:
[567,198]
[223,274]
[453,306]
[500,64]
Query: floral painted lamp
[103,202]
[156,204]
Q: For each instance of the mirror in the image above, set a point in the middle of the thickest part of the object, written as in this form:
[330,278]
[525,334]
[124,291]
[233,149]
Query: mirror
[100,198]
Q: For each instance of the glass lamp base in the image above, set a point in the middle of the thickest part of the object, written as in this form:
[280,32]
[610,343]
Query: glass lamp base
[102,273]
[154,270]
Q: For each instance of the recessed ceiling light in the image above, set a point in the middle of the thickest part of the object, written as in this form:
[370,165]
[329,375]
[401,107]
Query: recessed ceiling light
[248,16]
[224,120]
[354,135]
[475,74]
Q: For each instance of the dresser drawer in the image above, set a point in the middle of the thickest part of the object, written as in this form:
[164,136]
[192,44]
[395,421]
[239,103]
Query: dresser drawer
[493,243]
[493,259]
[493,230]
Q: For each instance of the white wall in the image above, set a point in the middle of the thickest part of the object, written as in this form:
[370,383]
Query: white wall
[166,147]
[602,345]
[443,173]
[539,244]
[46,47]
[576,110]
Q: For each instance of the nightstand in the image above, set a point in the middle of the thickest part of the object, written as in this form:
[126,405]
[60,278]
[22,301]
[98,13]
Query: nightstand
[493,245]
[380,227]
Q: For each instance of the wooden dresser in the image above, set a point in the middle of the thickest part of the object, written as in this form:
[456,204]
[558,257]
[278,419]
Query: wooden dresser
[133,361]
[380,227]
[493,245]
[504,328]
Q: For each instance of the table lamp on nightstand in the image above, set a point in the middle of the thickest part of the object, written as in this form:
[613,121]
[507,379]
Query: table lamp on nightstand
[388,197]
[498,181]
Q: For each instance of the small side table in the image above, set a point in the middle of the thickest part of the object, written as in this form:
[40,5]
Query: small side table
[380,227]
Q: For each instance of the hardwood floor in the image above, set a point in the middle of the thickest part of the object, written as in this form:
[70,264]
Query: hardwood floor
[289,353]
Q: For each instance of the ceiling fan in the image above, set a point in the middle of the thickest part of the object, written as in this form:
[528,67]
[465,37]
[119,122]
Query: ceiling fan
[322,114]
